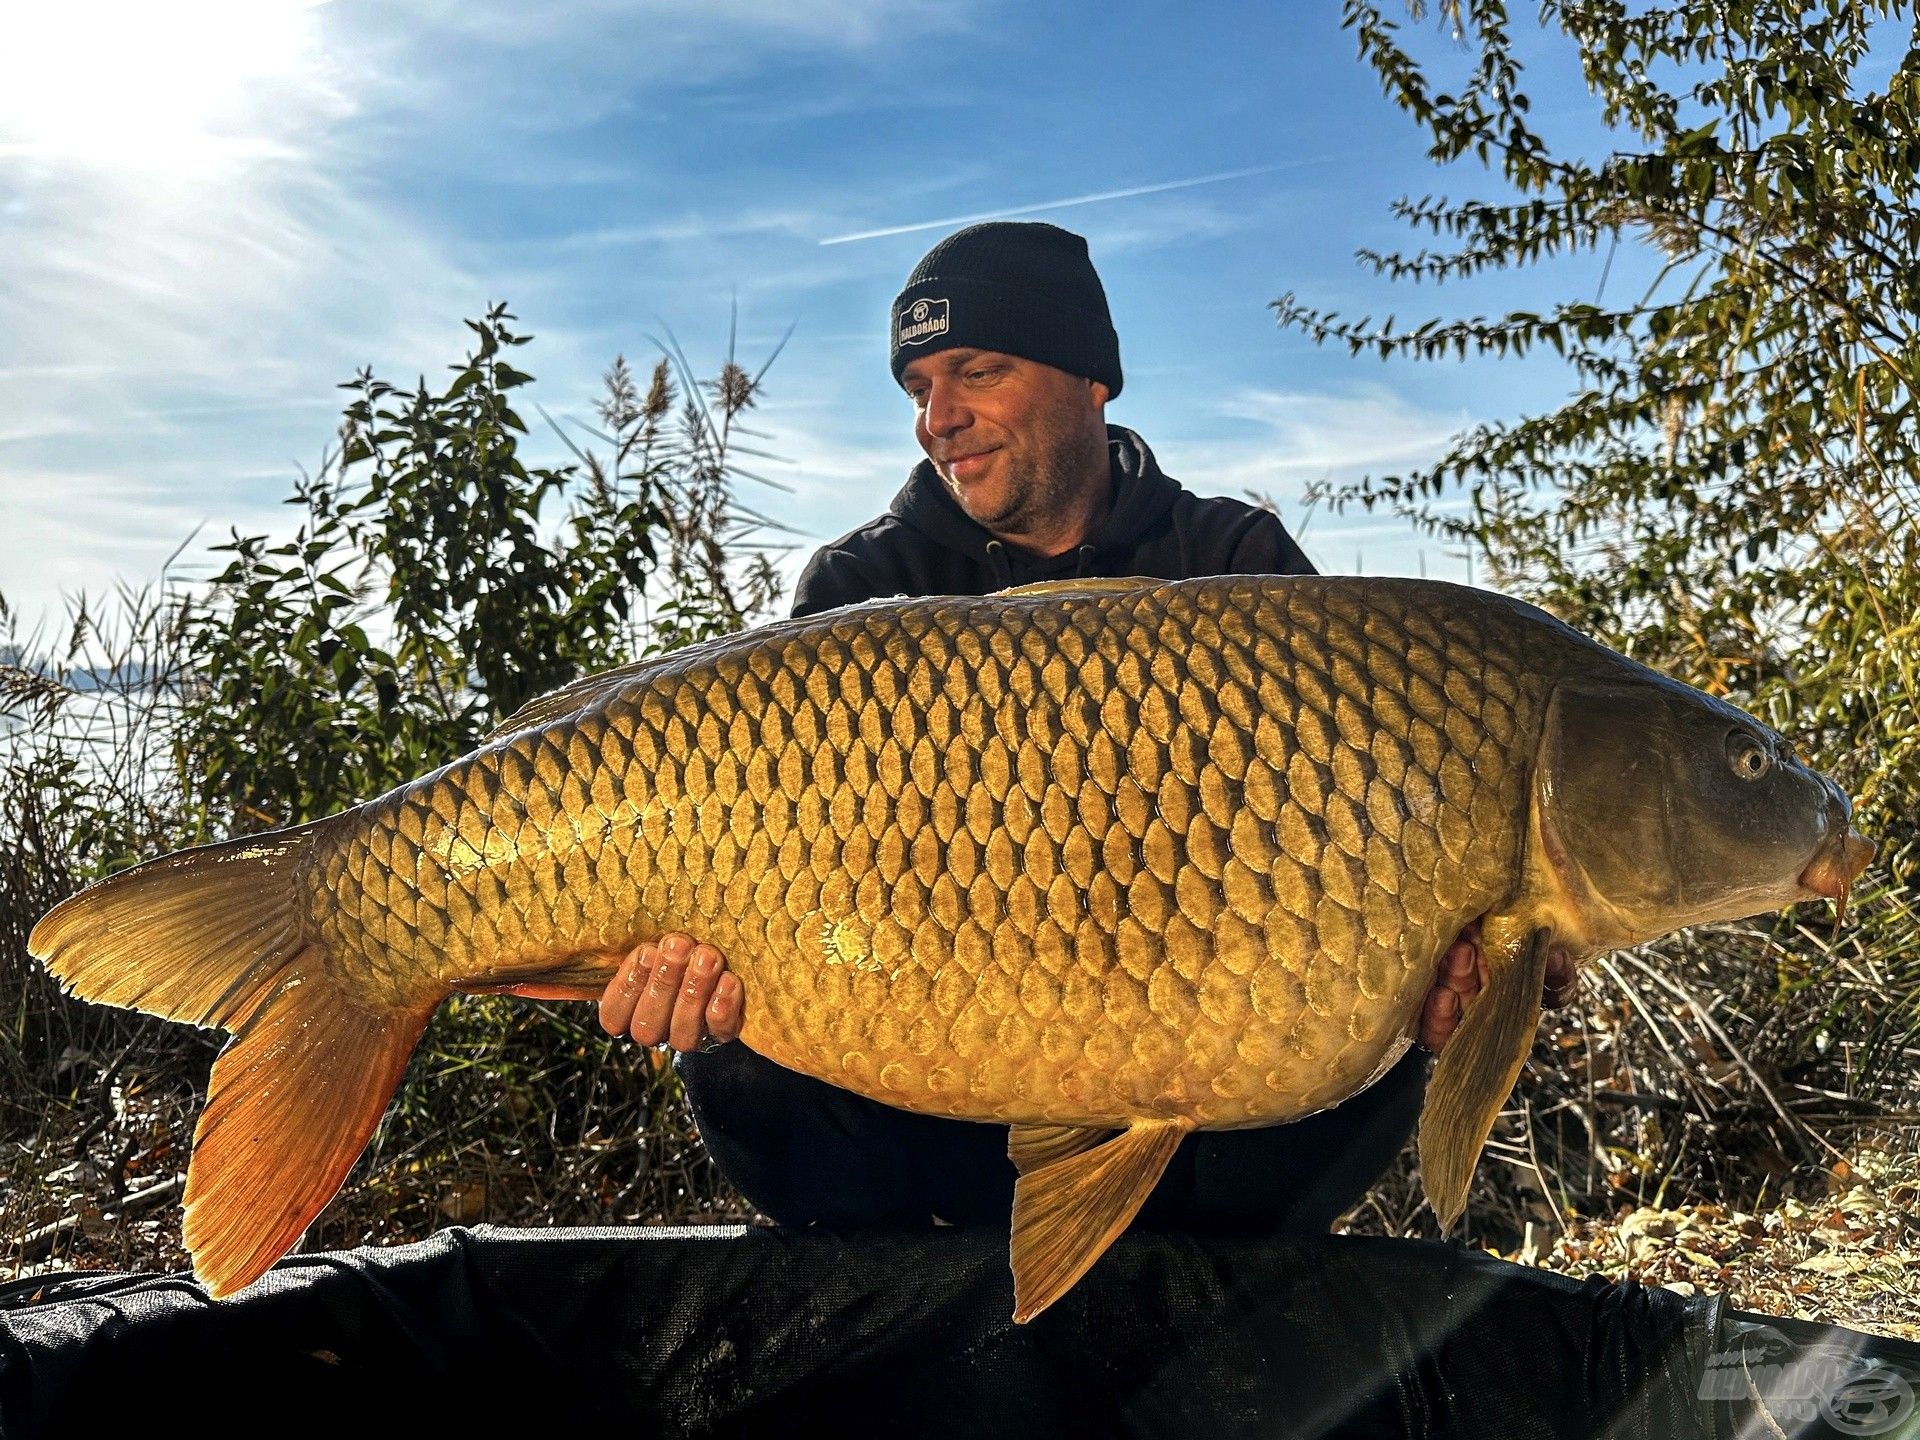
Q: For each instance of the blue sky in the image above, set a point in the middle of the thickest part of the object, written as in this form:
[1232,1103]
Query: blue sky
[210,217]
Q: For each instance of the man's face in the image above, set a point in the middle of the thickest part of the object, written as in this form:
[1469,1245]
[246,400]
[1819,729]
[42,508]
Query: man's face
[1014,441]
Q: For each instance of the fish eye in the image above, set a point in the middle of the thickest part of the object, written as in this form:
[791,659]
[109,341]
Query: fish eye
[1747,755]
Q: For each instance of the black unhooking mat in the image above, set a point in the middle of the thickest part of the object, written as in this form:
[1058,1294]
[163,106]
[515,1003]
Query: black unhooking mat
[795,1333]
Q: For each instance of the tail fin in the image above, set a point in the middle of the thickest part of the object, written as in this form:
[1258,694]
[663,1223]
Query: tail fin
[214,936]
[195,936]
[292,1103]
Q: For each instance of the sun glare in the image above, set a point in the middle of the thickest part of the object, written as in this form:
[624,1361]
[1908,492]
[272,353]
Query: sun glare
[163,86]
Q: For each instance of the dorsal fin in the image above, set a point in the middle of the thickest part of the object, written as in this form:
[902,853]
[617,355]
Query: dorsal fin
[1084,585]
[575,695]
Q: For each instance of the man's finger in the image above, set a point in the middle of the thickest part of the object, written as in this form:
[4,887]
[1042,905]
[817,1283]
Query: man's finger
[1462,970]
[1438,1017]
[654,1013]
[723,1011]
[623,991]
[689,1024]
[1563,980]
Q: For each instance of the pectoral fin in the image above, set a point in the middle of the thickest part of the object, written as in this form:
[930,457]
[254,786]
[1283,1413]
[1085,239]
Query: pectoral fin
[1477,1069]
[1066,1213]
[1032,1147]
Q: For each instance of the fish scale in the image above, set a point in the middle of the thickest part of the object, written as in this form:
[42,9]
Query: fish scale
[1185,850]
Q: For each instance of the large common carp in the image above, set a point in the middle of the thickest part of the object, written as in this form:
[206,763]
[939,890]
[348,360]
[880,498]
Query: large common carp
[1082,857]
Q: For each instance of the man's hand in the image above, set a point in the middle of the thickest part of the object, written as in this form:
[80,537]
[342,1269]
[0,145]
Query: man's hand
[675,992]
[1463,971]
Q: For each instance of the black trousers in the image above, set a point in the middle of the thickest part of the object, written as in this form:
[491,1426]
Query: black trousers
[803,1151]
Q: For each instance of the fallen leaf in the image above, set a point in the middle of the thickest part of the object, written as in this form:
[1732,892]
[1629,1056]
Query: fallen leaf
[1833,1263]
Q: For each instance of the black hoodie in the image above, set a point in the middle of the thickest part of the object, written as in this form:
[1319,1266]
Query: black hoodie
[927,545]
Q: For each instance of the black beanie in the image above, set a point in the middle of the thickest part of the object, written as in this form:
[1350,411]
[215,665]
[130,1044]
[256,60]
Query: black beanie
[1020,287]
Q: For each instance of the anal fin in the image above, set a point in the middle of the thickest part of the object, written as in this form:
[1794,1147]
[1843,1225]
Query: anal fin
[1479,1065]
[1066,1213]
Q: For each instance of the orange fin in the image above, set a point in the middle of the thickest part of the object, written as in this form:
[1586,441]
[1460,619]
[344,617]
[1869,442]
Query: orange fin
[539,990]
[1477,1069]
[193,936]
[292,1103]
[1032,1147]
[584,975]
[216,936]
[1067,1213]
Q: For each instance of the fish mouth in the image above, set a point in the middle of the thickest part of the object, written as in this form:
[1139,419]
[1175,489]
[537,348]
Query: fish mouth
[1832,872]
[1841,858]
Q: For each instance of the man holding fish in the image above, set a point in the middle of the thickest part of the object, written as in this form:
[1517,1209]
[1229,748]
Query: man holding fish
[1255,837]
[1003,341]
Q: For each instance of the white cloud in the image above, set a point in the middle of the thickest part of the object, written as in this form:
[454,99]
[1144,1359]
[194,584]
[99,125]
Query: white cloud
[41,429]
[179,90]
[690,226]
[664,32]
[204,249]
[1277,443]
[181,211]
[131,310]
[839,484]
[1343,435]
[78,531]
[1154,226]
[608,54]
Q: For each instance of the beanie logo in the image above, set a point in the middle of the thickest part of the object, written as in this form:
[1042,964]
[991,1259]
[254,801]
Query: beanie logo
[921,321]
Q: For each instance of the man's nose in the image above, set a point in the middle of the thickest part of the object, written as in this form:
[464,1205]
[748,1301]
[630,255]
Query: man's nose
[946,410]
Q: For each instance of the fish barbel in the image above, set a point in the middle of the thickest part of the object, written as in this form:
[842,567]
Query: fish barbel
[1080,858]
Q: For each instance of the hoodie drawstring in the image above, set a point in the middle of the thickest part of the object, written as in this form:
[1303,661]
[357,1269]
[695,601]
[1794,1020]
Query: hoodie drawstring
[1002,567]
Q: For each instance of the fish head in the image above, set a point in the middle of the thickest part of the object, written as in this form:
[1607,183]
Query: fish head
[1658,807]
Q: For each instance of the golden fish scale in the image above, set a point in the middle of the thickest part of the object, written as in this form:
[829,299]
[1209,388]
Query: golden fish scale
[1191,850]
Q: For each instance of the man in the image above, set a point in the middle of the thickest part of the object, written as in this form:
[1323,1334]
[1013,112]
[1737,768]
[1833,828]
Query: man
[1003,342]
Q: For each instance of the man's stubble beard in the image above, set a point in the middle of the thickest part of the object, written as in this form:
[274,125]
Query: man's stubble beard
[1041,485]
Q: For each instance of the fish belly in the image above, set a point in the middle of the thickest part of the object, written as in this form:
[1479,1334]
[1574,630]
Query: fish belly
[1177,850]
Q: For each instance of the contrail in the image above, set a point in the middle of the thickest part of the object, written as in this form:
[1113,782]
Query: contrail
[1071,200]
